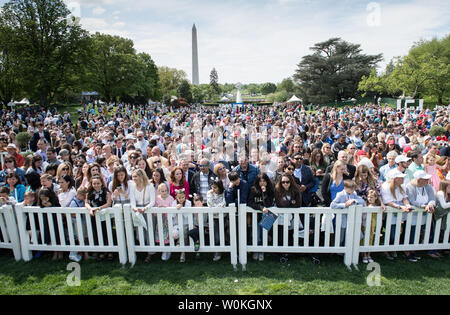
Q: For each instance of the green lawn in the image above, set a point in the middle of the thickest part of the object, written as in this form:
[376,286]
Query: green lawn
[204,277]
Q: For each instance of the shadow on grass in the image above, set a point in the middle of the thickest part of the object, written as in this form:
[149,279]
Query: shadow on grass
[299,268]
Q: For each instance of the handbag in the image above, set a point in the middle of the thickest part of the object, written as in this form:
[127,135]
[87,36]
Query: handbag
[138,218]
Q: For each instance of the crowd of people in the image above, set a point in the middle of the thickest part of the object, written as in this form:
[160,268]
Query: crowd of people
[279,156]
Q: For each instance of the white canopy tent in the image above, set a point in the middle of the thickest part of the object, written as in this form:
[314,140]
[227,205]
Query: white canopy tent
[294,99]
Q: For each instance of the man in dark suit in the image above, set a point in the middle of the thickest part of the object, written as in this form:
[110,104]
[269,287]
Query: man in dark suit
[119,149]
[188,173]
[351,170]
[41,134]
[305,176]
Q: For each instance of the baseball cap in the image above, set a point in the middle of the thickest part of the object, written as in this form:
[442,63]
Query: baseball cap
[395,173]
[401,158]
[421,175]
[407,149]
[361,153]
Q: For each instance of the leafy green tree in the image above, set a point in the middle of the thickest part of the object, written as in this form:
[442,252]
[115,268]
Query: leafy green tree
[170,80]
[333,71]
[286,85]
[184,91]
[10,68]
[268,88]
[48,42]
[115,69]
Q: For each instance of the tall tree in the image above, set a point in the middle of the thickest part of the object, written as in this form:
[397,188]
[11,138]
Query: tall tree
[214,82]
[333,71]
[268,88]
[170,80]
[48,42]
[114,67]
[184,91]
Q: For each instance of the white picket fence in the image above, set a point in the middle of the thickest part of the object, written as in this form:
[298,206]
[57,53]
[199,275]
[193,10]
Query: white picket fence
[9,235]
[313,234]
[71,230]
[140,239]
[303,230]
[373,231]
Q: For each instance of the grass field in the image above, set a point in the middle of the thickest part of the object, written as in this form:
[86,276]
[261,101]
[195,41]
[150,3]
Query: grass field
[204,277]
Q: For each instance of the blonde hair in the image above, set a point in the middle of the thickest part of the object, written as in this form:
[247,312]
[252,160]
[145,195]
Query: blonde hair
[60,168]
[335,167]
[141,174]
[392,188]
[427,157]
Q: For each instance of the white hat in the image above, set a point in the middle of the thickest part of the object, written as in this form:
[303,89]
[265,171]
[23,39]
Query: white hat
[130,137]
[12,146]
[367,162]
[421,175]
[395,173]
[401,158]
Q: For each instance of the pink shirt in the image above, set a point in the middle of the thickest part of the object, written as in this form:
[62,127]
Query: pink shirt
[164,203]
[173,188]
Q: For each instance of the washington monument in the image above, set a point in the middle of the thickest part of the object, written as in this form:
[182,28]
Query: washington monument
[195,77]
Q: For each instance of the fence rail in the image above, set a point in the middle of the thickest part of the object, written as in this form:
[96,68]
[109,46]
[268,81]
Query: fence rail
[303,230]
[119,230]
[71,230]
[166,230]
[393,230]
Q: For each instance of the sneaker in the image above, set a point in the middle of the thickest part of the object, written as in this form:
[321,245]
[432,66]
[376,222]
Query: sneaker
[74,256]
[217,257]
[394,254]
[255,256]
[365,260]
[370,260]
[388,256]
[165,256]
[411,258]
[261,256]
[197,247]
[183,257]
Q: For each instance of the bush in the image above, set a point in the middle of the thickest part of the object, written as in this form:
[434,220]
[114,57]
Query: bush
[22,139]
[437,131]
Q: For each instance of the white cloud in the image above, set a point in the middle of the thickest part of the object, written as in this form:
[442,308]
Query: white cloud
[98,11]
[262,41]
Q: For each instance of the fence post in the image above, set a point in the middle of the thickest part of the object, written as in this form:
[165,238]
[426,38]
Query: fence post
[349,236]
[242,222]
[356,235]
[120,232]
[24,239]
[129,230]
[233,240]
[11,227]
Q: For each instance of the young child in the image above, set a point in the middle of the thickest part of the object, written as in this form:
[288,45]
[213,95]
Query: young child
[195,232]
[373,200]
[5,199]
[180,202]
[78,202]
[164,200]
[345,199]
[215,198]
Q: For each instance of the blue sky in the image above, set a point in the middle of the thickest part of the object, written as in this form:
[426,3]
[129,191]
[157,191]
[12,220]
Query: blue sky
[261,40]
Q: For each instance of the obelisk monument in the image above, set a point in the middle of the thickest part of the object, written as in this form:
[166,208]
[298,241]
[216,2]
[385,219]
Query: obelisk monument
[195,76]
